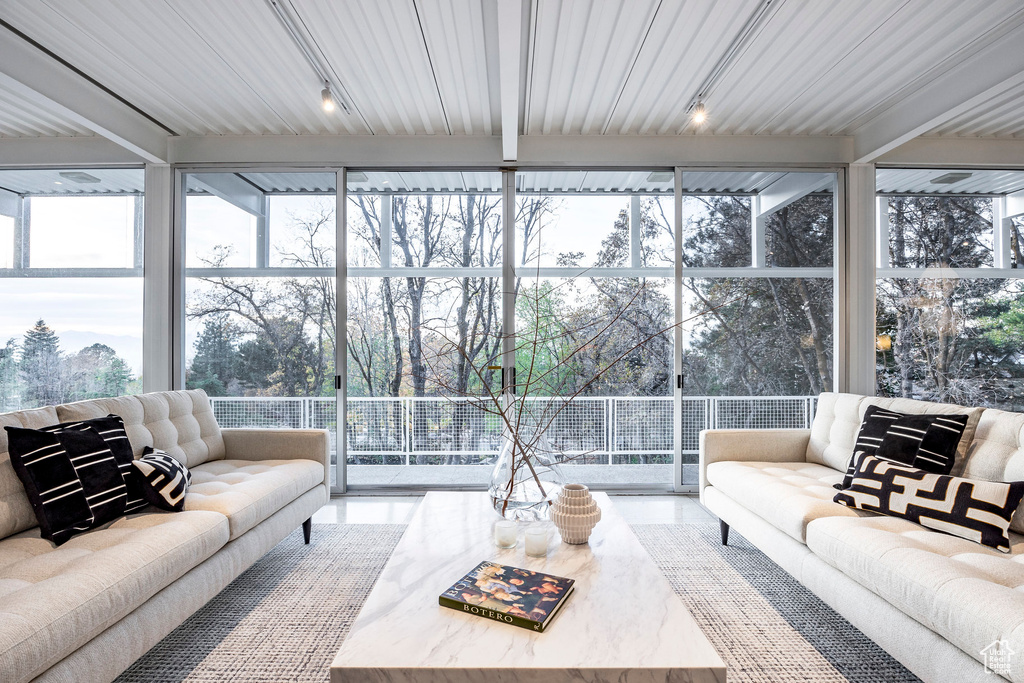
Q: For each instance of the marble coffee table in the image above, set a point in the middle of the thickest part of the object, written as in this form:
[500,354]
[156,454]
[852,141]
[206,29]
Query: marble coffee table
[623,624]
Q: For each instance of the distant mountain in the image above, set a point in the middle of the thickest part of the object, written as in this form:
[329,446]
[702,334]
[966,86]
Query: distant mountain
[127,347]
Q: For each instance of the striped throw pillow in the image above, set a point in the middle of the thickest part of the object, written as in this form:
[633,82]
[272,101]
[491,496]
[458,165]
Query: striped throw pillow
[165,481]
[71,478]
[979,511]
[111,430]
[927,442]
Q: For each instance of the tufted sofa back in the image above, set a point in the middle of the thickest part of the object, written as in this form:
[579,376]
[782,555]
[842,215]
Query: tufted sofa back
[992,448]
[179,422]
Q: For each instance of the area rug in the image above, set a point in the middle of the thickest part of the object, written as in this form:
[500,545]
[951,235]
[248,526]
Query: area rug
[764,624]
[285,618]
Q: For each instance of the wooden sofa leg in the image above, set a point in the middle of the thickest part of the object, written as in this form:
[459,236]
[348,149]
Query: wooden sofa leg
[725,532]
[307,529]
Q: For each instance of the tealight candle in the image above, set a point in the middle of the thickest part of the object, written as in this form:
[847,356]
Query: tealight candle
[505,534]
[537,541]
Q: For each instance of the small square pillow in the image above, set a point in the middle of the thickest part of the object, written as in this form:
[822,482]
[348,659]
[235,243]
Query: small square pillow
[979,511]
[71,478]
[165,481]
[927,442]
[111,430]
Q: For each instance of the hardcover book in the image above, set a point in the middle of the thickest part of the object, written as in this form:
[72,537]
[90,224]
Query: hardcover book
[514,596]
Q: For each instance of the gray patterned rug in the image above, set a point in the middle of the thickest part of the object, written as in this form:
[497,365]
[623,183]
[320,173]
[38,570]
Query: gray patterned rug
[763,622]
[285,618]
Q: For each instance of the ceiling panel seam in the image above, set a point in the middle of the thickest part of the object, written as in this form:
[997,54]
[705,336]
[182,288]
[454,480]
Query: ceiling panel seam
[629,72]
[430,63]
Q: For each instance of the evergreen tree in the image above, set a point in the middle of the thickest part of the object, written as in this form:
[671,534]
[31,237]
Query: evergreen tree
[10,384]
[216,359]
[42,367]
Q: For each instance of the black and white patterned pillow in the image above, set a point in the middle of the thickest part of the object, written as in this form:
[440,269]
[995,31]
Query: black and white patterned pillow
[71,478]
[111,430]
[979,511]
[927,442]
[165,481]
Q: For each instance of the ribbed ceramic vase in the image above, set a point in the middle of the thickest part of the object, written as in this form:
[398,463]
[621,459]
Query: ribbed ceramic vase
[575,513]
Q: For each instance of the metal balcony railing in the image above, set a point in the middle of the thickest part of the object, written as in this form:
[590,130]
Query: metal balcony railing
[610,430]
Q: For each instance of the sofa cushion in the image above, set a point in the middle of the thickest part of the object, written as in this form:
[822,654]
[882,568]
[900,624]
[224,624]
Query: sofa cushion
[248,492]
[915,407]
[837,419]
[967,593]
[178,422]
[54,600]
[15,509]
[787,495]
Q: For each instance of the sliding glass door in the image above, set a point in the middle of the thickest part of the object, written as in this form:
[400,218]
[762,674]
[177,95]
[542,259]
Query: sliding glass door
[259,297]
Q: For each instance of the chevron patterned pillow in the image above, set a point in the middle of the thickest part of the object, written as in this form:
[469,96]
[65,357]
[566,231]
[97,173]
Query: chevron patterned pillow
[165,481]
[979,511]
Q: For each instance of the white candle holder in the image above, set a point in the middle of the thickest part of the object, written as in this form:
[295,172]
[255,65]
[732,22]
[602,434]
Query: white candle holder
[505,534]
[537,541]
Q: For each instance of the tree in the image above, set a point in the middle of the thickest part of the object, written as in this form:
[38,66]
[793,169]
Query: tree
[46,380]
[97,371]
[10,381]
[214,366]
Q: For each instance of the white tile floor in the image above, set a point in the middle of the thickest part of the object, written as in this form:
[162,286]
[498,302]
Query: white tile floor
[399,509]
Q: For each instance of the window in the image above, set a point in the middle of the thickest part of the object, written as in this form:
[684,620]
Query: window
[71,279]
[949,300]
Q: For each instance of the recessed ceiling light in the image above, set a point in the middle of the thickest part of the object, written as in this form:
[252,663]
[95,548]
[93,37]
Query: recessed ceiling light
[57,182]
[950,178]
[79,176]
[661,176]
[385,182]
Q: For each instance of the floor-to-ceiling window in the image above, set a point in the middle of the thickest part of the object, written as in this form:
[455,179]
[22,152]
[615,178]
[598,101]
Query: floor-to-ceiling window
[950,293]
[758,291]
[629,309]
[259,297]
[71,275]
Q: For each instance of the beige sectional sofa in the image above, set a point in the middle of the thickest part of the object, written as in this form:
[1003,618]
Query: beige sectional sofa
[84,611]
[934,601]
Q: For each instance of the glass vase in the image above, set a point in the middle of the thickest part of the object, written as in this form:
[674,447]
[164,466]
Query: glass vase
[526,479]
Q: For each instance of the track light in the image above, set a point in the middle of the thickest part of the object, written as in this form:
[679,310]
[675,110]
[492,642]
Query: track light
[328,98]
[700,115]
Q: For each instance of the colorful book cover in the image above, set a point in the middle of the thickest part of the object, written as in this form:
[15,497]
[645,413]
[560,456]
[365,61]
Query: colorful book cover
[514,596]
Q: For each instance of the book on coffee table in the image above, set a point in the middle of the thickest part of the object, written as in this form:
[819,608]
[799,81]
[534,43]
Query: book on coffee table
[520,597]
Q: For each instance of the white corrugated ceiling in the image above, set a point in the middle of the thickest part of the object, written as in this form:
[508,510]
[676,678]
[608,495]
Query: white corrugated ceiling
[430,67]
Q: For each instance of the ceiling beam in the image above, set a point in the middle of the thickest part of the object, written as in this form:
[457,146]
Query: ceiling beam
[941,152]
[790,188]
[233,189]
[50,85]
[563,151]
[510,44]
[989,72]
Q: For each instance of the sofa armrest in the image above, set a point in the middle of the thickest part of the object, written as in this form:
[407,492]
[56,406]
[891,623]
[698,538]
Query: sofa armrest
[751,445]
[280,444]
